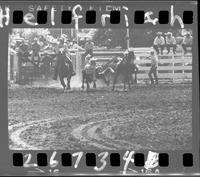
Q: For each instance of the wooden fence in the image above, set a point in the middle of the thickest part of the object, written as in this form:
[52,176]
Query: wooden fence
[170,66]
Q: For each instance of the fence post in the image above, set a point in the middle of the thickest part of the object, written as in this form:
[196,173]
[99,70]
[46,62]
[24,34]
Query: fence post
[173,67]
[183,64]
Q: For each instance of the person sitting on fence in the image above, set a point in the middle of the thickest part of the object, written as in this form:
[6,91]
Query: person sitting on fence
[153,69]
[89,47]
[170,42]
[23,51]
[159,42]
[108,43]
[35,51]
[187,42]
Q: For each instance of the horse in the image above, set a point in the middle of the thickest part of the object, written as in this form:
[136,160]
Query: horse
[87,75]
[110,70]
[63,70]
[125,67]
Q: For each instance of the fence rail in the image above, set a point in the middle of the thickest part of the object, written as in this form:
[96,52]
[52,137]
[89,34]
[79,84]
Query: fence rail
[170,66]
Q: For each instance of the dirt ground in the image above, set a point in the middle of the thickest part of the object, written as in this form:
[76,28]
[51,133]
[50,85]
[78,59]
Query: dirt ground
[155,118]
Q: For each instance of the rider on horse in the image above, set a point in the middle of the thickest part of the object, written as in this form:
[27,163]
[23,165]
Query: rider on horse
[63,48]
[90,66]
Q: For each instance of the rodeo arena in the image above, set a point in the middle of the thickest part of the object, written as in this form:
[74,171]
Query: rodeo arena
[83,90]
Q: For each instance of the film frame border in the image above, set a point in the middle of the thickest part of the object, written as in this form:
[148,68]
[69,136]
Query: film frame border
[195,90]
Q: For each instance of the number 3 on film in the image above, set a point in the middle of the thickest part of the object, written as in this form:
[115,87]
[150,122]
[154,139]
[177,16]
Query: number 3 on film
[102,160]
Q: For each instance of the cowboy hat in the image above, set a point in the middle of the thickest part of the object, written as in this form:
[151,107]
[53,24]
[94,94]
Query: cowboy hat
[188,33]
[88,55]
[168,33]
[159,33]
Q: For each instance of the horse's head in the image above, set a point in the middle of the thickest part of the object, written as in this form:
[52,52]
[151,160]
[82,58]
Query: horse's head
[130,56]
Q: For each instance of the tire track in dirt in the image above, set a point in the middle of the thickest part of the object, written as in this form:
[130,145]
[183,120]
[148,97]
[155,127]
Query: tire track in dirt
[14,135]
[15,130]
[87,133]
[95,132]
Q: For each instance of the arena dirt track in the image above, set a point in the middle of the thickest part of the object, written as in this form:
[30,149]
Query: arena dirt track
[156,118]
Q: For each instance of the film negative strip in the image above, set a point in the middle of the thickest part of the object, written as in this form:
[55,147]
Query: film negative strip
[105,87]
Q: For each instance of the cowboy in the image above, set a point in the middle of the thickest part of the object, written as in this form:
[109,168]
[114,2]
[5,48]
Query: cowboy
[23,53]
[91,66]
[87,59]
[74,45]
[43,40]
[170,42]
[128,54]
[125,55]
[23,50]
[153,69]
[89,47]
[159,42]
[64,43]
[62,48]
[187,42]
[35,50]
[108,44]
[47,61]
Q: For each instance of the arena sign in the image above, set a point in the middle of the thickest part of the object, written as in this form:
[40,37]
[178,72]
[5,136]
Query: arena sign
[55,11]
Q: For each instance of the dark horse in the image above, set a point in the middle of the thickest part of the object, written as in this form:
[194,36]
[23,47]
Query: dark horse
[62,69]
[125,68]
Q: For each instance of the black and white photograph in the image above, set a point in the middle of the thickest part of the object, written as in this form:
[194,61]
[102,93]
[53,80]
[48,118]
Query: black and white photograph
[100,89]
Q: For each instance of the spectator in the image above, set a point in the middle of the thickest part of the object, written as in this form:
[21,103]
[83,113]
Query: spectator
[170,42]
[43,40]
[75,45]
[35,51]
[187,42]
[43,43]
[47,61]
[108,44]
[159,42]
[153,69]
[23,52]
[89,47]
